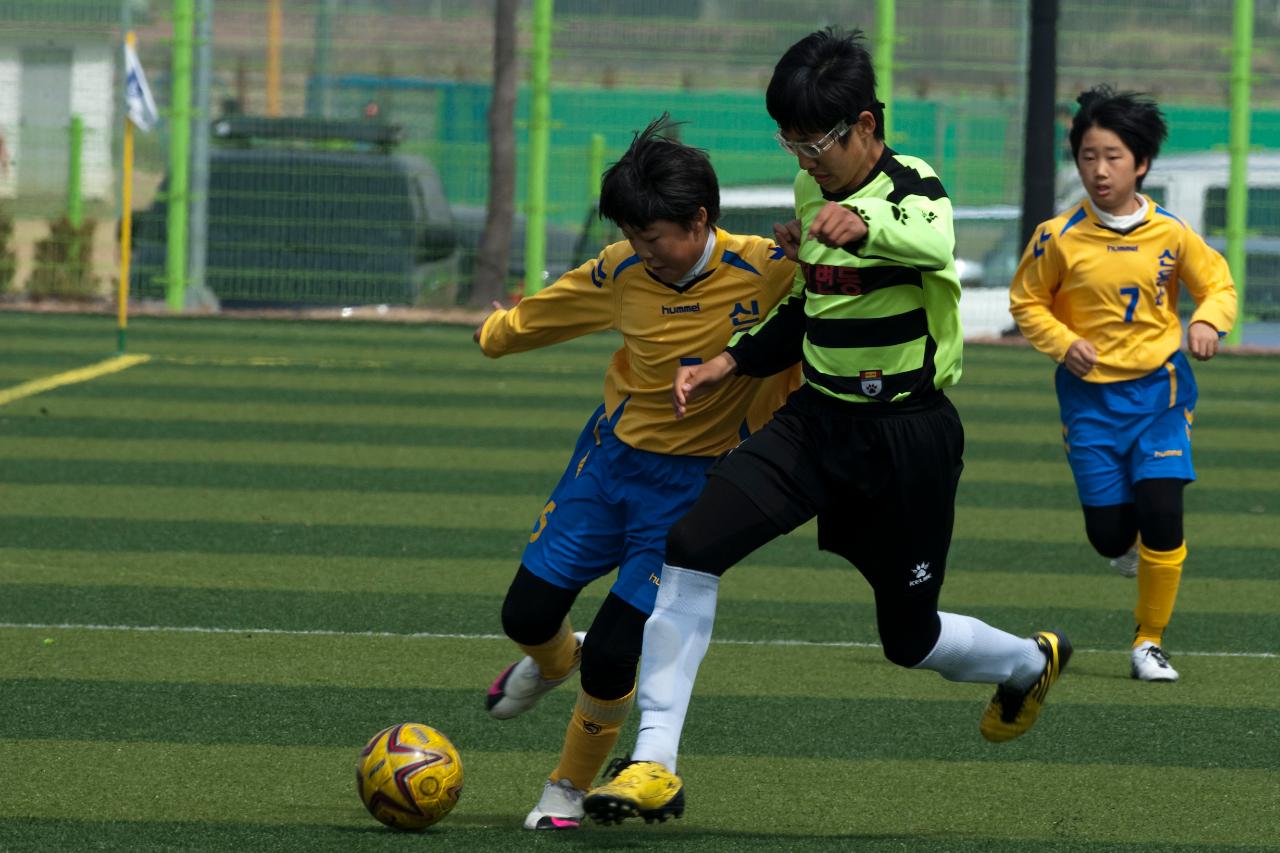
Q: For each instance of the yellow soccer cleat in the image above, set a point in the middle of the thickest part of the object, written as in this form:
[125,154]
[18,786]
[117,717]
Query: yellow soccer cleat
[1012,713]
[643,789]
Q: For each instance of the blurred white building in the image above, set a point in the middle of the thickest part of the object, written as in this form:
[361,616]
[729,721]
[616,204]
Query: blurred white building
[51,70]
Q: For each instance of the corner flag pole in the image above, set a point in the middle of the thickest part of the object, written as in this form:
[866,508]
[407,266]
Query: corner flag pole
[126,221]
[140,111]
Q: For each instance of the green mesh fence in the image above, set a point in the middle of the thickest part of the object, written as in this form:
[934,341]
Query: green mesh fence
[282,225]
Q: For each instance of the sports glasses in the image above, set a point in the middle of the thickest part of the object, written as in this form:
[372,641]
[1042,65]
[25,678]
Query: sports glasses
[812,150]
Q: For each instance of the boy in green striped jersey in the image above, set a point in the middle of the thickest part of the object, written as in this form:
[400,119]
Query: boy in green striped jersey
[869,444]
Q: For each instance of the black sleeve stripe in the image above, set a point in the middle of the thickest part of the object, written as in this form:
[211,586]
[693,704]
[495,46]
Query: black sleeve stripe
[868,332]
[775,344]
[907,181]
[930,188]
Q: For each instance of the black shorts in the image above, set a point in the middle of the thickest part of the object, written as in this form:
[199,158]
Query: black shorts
[880,478]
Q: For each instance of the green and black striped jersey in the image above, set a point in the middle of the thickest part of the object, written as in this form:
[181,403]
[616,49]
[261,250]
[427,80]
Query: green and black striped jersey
[876,321]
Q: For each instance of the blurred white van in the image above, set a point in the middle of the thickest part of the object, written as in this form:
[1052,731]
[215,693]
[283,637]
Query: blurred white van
[1193,187]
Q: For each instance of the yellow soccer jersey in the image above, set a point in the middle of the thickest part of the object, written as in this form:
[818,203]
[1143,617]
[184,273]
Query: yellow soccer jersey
[1080,279]
[661,327]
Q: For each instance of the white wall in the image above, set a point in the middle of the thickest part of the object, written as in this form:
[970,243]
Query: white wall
[10,106]
[94,98]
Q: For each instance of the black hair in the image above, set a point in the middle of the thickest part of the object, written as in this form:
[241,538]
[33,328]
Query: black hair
[659,177]
[823,79]
[1129,115]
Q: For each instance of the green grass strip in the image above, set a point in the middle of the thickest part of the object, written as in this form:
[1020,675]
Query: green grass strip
[461,458]
[857,729]
[753,580]
[457,476]
[441,611]
[290,798]
[464,664]
[503,512]
[260,540]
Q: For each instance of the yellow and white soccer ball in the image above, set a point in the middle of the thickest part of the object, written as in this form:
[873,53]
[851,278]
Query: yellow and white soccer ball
[409,776]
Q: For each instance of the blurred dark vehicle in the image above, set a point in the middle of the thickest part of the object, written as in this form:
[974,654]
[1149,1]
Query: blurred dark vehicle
[306,212]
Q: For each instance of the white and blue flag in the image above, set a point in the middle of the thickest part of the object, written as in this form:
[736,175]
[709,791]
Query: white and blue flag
[142,107]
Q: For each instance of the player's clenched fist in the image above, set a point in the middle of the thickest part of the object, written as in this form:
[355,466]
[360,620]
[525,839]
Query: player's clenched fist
[836,226]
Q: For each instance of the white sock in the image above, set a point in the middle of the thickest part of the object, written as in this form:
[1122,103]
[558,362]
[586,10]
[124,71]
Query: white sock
[676,637]
[970,650]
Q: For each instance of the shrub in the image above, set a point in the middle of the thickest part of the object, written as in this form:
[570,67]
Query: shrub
[63,267]
[8,257]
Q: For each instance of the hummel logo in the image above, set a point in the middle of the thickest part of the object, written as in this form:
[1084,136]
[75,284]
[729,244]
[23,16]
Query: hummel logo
[1037,249]
[682,309]
[921,572]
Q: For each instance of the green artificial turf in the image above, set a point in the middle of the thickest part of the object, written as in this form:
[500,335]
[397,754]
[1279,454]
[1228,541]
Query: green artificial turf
[223,569]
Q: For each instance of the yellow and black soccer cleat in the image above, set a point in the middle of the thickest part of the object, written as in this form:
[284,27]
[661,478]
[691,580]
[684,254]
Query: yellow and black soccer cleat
[1012,713]
[643,789]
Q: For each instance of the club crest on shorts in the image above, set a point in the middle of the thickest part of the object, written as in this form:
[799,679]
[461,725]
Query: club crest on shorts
[872,382]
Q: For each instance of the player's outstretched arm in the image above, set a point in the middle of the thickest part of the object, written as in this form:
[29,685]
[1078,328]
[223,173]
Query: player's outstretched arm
[694,380]
[496,306]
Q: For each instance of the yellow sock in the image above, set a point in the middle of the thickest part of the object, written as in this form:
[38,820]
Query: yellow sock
[555,657]
[590,737]
[1159,573]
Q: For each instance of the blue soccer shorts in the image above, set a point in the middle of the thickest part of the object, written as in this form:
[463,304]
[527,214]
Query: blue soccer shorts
[1118,433]
[612,508]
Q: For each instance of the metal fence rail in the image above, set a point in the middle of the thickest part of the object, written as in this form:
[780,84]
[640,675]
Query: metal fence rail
[301,220]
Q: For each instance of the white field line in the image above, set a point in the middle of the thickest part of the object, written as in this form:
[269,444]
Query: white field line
[425,635]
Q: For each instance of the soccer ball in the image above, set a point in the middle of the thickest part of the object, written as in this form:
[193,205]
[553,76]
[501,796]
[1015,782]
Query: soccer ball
[409,776]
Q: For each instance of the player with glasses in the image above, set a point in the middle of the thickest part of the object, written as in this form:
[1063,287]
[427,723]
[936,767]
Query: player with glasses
[813,150]
[869,444]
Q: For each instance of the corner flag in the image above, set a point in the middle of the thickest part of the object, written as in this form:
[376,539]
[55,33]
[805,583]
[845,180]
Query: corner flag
[141,113]
[142,107]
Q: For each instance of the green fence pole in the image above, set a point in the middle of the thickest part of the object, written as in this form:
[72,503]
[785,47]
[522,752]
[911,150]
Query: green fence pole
[535,236]
[1238,143]
[886,33]
[75,200]
[175,265]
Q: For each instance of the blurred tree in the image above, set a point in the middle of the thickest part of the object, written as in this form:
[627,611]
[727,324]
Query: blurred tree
[495,246]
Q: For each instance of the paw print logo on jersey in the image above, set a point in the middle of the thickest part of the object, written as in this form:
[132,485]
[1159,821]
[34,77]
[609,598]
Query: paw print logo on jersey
[921,572]
[871,382]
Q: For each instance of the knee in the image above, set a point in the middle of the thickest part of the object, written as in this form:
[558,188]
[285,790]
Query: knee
[904,651]
[909,628]
[1159,507]
[1111,530]
[534,610]
[527,625]
[1162,531]
[609,668]
[1110,543]
[684,545]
